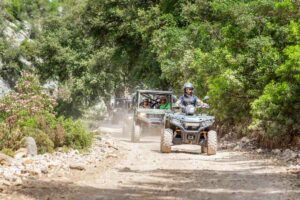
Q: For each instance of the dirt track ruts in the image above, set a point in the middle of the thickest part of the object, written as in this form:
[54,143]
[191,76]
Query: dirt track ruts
[142,172]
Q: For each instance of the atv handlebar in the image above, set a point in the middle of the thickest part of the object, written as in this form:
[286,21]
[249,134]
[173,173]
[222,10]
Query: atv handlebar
[204,105]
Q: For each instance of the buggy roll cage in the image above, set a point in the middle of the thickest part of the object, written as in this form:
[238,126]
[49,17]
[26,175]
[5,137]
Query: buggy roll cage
[149,94]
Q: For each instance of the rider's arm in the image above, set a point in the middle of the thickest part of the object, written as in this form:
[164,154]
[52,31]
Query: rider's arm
[201,103]
[179,102]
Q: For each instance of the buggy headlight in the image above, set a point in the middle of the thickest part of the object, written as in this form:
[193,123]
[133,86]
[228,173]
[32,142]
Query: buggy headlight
[142,114]
[191,124]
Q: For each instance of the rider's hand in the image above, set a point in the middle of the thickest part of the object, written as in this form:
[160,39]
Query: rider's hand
[204,105]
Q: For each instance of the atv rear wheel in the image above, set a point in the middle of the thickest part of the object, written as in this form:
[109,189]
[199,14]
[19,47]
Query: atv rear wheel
[166,140]
[211,142]
[136,133]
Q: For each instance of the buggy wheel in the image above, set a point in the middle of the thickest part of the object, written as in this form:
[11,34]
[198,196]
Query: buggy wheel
[166,140]
[136,133]
[211,142]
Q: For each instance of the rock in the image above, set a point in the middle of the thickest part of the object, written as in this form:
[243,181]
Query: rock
[112,156]
[245,140]
[18,181]
[31,146]
[276,151]
[4,87]
[32,171]
[4,183]
[230,146]
[9,176]
[237,148]
[77,167]
[44,170]
[126,169]
[5,159]
[27,161]
[289,155]
[225,137]
[259,150]
[21,153]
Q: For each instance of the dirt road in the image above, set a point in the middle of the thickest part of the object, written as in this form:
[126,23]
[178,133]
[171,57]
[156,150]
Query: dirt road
[142,172]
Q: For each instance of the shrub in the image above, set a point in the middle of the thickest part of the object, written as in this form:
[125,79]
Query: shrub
[76,135]
[43,142]
[29,111]
[8,152]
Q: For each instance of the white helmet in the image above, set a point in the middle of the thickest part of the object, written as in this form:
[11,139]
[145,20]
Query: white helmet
[188,85]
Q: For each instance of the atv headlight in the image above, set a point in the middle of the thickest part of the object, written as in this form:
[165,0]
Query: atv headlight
[191,124]
[207,123]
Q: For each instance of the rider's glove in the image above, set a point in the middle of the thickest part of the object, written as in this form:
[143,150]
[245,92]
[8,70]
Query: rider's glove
[204,105]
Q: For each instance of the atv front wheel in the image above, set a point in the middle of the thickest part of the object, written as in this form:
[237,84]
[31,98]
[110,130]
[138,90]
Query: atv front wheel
[211,142]
[136,133]
[166,140]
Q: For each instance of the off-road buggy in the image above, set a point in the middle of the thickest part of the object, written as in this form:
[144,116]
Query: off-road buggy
[151,118]
[186,127]
[120,109]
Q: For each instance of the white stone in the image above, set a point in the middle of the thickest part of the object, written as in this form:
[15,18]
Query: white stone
[245,140]
[259,150]
[276,151]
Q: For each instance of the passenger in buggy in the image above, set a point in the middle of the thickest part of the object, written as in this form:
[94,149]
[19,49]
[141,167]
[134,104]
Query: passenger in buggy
[146,103]
[163,103]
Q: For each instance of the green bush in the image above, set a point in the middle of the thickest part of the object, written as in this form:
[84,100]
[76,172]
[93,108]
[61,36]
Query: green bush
[8,152]
[43,142]
[276,112]
[76,135]
[28,111]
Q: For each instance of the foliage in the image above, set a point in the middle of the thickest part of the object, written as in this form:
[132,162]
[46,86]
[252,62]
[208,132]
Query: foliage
[24,9]
[29,111]
[276,110]
[8,152]
[244,54]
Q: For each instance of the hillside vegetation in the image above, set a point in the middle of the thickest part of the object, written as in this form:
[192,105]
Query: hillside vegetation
[244,54]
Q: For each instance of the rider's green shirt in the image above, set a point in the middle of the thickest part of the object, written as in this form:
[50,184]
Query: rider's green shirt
[164,106]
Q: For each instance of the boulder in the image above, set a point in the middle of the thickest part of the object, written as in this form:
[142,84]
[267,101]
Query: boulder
[31,146]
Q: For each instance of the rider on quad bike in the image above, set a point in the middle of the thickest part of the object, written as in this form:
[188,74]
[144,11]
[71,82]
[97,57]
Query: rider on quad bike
[189,99]
[187,127]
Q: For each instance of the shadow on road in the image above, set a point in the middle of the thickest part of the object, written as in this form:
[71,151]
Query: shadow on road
[140,142]
[176,184]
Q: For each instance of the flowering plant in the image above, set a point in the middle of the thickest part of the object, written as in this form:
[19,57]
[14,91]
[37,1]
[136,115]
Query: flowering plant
[29,111]
[27,100]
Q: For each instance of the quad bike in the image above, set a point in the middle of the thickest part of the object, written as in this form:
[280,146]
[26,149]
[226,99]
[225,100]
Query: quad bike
[120,110]
[148,119]
[186,127]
